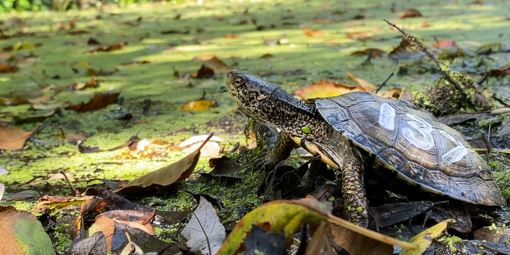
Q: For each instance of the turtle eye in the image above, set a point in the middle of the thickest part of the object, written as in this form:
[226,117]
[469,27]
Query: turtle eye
[238,82]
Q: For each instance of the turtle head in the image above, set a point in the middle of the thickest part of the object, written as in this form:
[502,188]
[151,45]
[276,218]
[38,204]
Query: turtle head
[251,94]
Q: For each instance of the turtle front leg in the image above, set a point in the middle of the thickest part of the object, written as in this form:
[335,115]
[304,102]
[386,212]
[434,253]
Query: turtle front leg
[353,191]
[278,153]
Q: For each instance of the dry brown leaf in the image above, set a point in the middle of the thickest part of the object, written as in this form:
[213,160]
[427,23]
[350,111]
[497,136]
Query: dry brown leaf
[218,66]
[393,93]
[204,57]
[326,88]
[115,46]
[13,139]
[313,33]
[445,44]
[410,13]
[367,86]
[165,176]
[39,99]
[99,101]
[267,56]
[402,51]
[356,35]
[7,68]
[376,53]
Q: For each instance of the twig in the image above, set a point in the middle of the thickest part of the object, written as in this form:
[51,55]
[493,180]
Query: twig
[205,234]
[150,217]
[74,193]
[384,83]
[484,77]
[368,60]
[416,43]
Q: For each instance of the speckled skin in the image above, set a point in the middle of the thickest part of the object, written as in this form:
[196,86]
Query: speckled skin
[268,103]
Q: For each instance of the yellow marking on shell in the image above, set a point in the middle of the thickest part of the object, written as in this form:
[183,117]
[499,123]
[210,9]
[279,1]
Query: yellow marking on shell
[312,148]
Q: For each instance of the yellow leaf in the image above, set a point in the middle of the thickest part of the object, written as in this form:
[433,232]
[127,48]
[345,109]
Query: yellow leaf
[197,105]
[424,239]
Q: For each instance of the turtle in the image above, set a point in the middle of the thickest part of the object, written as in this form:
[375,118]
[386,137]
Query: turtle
[351,129]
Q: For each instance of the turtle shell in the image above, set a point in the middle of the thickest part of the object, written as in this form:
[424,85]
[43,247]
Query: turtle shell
[414,144]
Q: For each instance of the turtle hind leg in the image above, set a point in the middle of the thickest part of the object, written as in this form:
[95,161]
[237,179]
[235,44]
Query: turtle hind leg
[353,191]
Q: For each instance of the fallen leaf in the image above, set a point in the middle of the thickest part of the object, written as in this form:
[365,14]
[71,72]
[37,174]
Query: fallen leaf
[492,48]
[165,176]
[425,238]
[329,236]
[204,230]
[172,32]
[93,41]
[356,35]
[77,32]
[200,105]
[376,53]
[204,57]
[503,71]
[230,36]
[136,63]
[402,51]
[22,233]
[39,100]
[22,195]
[203,72]
[99,101]
[7,68]
[410,13]
[445,44]
[95,244]
[13,139]
[325,20]
[393,93]
[289,215]
[367,86]
[218,66]
[313,33]
[267,56]
[325,88]
[115,46]
[457,118]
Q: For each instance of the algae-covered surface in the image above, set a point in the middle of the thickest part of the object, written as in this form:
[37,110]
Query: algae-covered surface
[168,42]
